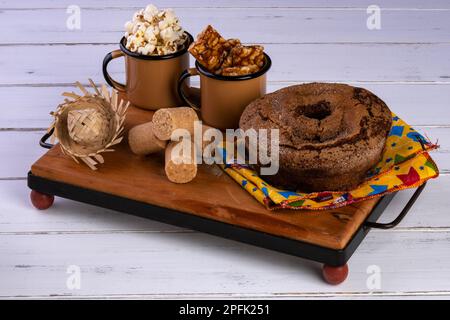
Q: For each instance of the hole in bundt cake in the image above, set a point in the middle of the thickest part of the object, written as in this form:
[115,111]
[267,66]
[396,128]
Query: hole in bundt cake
[318,111]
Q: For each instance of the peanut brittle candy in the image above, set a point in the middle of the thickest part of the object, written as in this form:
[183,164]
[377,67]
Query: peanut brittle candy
[244,56]
[226,57]
[209,49]
[231,43]
[239,71]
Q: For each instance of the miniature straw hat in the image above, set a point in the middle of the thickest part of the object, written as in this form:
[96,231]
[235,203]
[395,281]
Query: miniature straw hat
[89,124]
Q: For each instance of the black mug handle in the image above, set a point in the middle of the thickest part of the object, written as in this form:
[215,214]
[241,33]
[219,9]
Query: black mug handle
[184,75]
[113,83]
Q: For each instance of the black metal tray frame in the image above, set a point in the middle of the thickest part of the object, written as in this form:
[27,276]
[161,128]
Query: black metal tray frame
[306,250]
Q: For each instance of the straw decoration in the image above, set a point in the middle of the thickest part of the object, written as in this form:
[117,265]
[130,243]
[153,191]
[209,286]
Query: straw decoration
[89,124]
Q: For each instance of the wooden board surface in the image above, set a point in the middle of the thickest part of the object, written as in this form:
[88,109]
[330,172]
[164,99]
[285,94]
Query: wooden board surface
[212,194]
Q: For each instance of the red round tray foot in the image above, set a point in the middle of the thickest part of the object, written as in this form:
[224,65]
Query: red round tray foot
[41,201]
[335,275]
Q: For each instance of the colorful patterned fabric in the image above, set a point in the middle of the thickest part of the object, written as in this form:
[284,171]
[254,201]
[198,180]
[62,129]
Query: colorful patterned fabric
[405,164]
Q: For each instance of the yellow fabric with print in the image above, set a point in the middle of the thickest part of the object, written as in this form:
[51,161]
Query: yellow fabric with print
[405,164]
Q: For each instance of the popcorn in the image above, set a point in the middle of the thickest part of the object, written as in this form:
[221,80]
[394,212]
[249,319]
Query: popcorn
[154,32]
[150,35]
[150,11]
[168,35]
[128,27]
[170,17]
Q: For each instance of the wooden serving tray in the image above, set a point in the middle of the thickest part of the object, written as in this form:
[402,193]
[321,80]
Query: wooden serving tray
[212,202]
[212,194]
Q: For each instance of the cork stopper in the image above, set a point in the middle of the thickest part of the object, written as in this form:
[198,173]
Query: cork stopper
[169,119]
[179,167]
[142,140]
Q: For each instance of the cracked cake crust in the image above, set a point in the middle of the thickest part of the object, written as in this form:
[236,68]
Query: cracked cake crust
[330,134]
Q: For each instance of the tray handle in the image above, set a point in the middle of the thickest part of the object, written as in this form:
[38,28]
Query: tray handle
[43,142]
[408,205]
[402,214]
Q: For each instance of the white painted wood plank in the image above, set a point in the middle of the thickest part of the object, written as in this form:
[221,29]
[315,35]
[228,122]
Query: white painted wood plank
[295,62]
[19,150]
[172,264]
[250,25]
[18,216]
[29,107]
[343,4]
[428,295]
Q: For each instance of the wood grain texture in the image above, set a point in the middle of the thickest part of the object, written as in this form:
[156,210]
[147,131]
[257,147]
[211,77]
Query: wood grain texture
[195,265]
[418,104]
[362,62]
[212,194]
[265,25]
[344,4]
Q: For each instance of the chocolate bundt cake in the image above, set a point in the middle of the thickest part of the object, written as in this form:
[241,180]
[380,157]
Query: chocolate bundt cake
[330,134]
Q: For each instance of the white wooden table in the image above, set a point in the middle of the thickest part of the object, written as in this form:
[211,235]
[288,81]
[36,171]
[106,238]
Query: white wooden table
[406,62]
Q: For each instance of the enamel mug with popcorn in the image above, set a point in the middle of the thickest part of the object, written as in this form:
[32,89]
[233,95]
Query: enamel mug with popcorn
[151,81]
[155,50]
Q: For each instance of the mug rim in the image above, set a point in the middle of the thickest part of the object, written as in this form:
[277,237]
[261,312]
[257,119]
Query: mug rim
[263,70]
[136,55]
